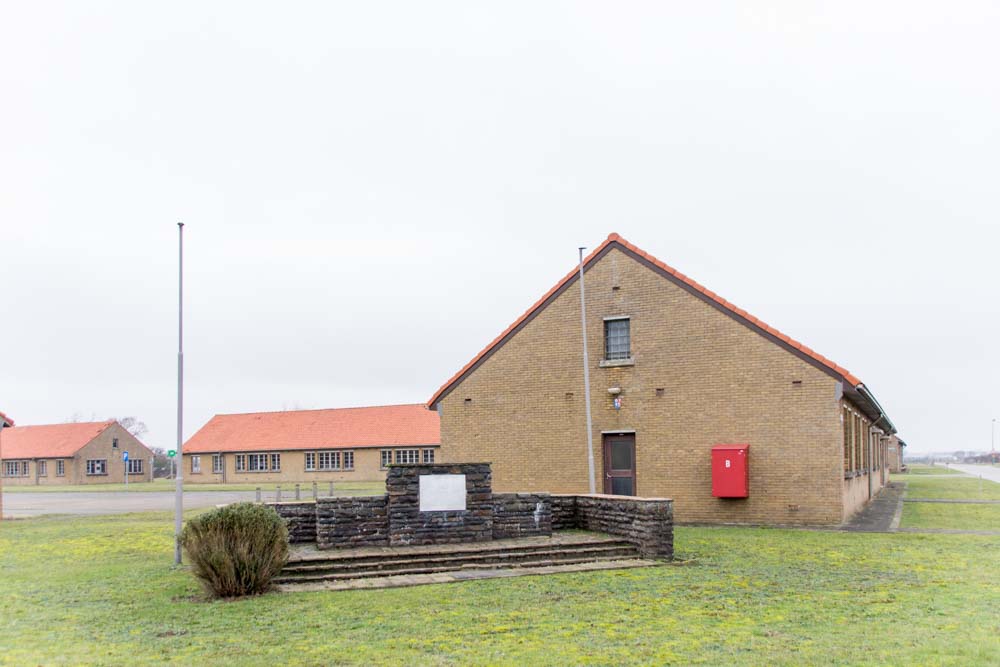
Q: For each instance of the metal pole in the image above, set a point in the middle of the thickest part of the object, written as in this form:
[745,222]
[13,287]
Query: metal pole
[179,477]
[586,380]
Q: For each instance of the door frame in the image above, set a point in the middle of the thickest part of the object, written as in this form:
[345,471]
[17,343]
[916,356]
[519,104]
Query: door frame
[606,438]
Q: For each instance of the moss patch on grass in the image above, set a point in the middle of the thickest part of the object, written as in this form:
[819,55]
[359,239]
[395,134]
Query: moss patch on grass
[101,590]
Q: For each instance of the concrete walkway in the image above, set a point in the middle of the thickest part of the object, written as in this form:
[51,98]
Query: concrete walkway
[991,473]
[882,514]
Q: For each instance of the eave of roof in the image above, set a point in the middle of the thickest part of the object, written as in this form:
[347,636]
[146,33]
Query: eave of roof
[43,441]
[693,287]
[6,421]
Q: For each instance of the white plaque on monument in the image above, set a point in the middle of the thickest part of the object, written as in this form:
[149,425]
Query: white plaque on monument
[442,493]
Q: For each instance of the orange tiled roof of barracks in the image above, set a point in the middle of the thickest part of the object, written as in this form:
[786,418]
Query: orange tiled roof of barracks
[50,440]
[741,314]
[339,428]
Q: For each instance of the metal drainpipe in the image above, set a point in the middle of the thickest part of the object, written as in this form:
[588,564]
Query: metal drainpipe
[871,483]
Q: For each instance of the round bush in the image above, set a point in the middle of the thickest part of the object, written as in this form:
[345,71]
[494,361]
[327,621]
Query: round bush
[236,550]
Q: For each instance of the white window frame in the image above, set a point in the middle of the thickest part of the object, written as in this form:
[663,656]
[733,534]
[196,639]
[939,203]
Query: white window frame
[274,461]
[385,459]
[60,468]
[328,460]
[15,469]
[310,461]
[134,466]
[607,339]
[407,456]
[241,463]
[257,462]
[348,459]
[41,468]
[218,464]
[427,455]
[196,464]
[97,467]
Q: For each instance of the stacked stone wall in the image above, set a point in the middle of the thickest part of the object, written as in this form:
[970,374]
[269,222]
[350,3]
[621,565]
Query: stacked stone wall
[521,515]
[358,521]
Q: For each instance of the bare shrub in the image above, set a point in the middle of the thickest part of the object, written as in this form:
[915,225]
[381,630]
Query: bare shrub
[236,550]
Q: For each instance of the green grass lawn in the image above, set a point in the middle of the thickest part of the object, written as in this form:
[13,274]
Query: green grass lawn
[101,591]
[924,469]
[942,515]
[961,487]
[165,485]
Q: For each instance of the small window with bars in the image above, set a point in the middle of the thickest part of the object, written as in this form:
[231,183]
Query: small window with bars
[276,462]
[348,460]
[134,466]
[386,459]
[257,462]
[60,468]
[217,463]
[43,468]
[241,463]
[428,455]
[196,465]
[310,461]
[617,339]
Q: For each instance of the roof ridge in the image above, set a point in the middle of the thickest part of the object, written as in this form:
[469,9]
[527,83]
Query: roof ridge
[352,407]
[671,273]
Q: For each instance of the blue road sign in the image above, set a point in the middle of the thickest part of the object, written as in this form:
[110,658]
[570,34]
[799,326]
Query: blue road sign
[124,456]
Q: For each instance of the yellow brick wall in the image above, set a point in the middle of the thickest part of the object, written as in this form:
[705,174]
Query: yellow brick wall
[293,464]
[722,383]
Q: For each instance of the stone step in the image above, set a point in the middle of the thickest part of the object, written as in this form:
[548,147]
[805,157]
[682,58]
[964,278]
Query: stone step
[455,560]
[432,551]
[417,569]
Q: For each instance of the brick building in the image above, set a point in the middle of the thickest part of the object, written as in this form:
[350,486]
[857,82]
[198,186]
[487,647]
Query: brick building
[894,454]
[74,453]
[675,370]
[311,445]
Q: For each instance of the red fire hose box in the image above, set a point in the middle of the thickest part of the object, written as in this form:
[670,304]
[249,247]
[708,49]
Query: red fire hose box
[731,471]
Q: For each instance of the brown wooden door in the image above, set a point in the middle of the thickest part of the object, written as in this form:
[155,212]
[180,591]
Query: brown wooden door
[619,464]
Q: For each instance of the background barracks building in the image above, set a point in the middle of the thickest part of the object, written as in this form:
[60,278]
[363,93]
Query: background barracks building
[311,445]
[73,453]
[690,371]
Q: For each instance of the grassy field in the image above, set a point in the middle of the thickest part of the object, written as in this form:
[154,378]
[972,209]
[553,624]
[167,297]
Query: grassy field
[957,488]
[924,469]
[165,485]
[101,591]
[942,515]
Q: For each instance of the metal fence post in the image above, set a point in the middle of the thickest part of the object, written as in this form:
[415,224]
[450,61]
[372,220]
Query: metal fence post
[297,495]
[277,494]
[258,494]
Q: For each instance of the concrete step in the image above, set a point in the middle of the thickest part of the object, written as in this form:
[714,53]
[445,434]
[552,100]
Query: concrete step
[374,555]
[420,569]
[512,557]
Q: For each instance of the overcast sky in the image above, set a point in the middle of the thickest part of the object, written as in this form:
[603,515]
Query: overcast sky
[373,191]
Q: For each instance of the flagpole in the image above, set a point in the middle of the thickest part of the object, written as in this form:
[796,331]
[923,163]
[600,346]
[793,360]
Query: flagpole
[179,477]
[586,380]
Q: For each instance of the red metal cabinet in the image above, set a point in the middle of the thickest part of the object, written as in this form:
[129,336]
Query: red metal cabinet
[731,471]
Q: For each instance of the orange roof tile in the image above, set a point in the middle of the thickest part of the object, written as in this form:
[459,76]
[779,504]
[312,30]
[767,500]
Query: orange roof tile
[379,426]
[49,440]
[693,286]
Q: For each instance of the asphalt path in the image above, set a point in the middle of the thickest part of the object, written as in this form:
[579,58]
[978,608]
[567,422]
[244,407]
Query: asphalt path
[988,472]
[85,503]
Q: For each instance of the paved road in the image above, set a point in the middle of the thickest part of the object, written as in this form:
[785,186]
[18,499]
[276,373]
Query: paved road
[988,472]
[111,502]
